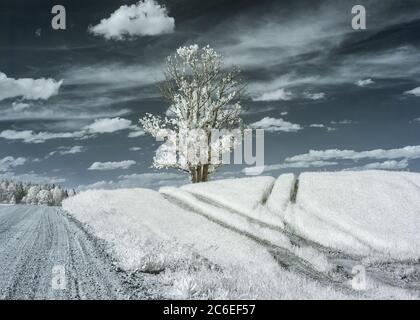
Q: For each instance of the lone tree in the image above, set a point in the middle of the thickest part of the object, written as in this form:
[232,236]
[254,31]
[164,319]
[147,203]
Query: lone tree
[204,103]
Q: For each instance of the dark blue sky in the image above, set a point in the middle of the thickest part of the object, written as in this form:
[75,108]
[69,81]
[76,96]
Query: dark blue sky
[347,89]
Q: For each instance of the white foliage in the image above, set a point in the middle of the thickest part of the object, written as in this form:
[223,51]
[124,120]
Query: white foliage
[203,97]
[44,197]
[27,193]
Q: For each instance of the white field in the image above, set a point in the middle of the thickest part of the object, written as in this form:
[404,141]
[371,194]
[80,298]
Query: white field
[213,240]
[200,258]
[371,212]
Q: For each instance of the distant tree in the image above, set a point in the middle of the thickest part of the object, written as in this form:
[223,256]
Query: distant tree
[71,193]
[44,197]
[31,196]
[202,97]
[58,196]
[23,192]
[19,192]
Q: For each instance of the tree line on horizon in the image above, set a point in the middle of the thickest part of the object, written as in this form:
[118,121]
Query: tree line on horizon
[12,192]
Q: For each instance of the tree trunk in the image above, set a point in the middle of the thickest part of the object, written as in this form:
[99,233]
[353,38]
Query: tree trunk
[199,174]
[193,175]
[205,176]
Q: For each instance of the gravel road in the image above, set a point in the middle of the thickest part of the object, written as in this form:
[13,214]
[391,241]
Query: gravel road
[44,254]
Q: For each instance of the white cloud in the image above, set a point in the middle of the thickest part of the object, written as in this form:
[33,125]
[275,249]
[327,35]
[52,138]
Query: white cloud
[31,89]
[386,165]
[66,150]
[270,40]
[318,159]
[256,110]
[115,74]
[275,95]
[314,96]
[392,64]
[103,166]
[343,122]
[364,82]
[146,18]
[414,92]
[136,133]
[108,125]
[29,136]
[8,163]
[278,86]
[72,150]
[408,152]
[135,149]
[317,125]
[99,126]
[273,124]
[20,106]
[31,177]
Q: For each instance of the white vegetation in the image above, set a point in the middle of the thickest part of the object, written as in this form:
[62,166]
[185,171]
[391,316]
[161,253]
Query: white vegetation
[183,254]
[366,213]
[209,240]
[26,193]
[203,99]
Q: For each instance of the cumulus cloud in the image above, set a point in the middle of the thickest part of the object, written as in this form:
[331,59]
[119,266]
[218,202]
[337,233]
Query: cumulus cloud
[27,88]
[364,82]
[20,106]
[275,95]
[146,18]
[29,136]
[414,92]
[408,152]
[314,96]
[324,158]
[108,125]
[67,150]
[104,166]
[8,163]
[386,165]
[99,126]
[317,125]
[71,150]
[31,177]
[273,125]
[136,133]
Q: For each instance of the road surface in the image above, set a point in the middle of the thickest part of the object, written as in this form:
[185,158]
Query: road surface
[44,254]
